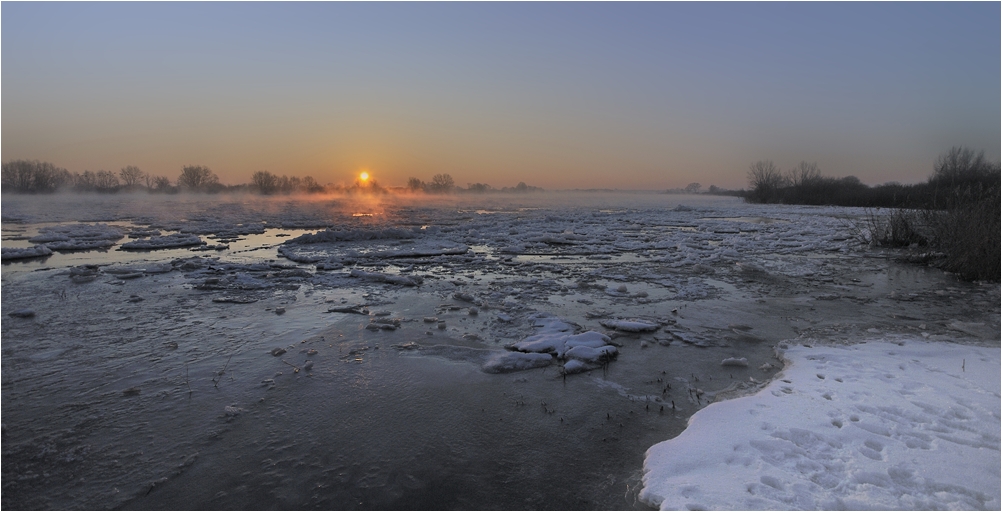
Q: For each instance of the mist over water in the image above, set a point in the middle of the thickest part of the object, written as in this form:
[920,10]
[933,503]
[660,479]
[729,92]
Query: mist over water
[334,352]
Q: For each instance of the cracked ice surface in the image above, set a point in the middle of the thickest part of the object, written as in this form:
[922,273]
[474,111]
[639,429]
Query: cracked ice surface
[338,352]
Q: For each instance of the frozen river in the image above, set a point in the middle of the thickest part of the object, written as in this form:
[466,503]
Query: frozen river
[501,352]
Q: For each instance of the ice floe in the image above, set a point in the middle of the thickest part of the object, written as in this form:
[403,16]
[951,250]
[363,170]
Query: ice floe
[504,362]
[163,242]
[386,278]
[16,253]
[553,336]
[78,237]
[629,325]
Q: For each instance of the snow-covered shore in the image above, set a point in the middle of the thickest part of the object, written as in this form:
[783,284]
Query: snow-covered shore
[911,425]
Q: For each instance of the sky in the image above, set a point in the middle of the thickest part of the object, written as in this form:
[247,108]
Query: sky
[558,95]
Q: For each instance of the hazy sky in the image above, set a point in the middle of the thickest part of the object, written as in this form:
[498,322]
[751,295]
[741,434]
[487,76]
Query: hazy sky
[559,95]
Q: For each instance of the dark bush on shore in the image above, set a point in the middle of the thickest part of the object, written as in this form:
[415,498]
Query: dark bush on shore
[954,216]
[969,233]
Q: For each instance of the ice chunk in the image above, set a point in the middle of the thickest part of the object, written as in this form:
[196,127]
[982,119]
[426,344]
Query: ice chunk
[575,366]
[16,253]
[70,234]
[80,245]
[590,354]
[588,339]
[163,242]
[341,235]
[734,361]
[463,297]
[506,362]
[357,309]
[387,278]
[230,299]
[629,325]
[552,343]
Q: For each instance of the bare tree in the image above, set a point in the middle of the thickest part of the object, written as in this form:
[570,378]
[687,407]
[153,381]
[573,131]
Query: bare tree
[441,183]
[415,184]
[265,182]
[85,181]
[693,188]
[765,179]
[197,177]
[310,185]
[804,174]
[105,181]
[159,184]
[131,176]
[33,176]
[960,165]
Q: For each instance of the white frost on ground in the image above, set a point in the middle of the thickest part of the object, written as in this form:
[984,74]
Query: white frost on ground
[869,426]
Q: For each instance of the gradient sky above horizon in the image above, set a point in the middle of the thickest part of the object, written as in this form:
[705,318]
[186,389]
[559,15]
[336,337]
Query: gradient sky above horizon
[558,95]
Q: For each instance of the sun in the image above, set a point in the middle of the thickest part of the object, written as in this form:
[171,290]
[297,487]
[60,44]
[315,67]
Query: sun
[364,176]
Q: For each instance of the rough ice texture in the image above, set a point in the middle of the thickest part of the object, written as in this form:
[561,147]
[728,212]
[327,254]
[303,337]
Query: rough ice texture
[343,235]
[735,361]
[628,326]
[505,362]
[386,278]
[80,245]
[163,242]
[869,426]
[76,237]
[591,355]
[16,253]
[581,352]
[326,251]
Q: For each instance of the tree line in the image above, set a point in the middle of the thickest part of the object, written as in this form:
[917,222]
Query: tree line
[959,174]
[444,184]
[34,177]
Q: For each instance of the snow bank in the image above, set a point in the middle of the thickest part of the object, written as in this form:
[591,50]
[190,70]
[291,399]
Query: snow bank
[870,426]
